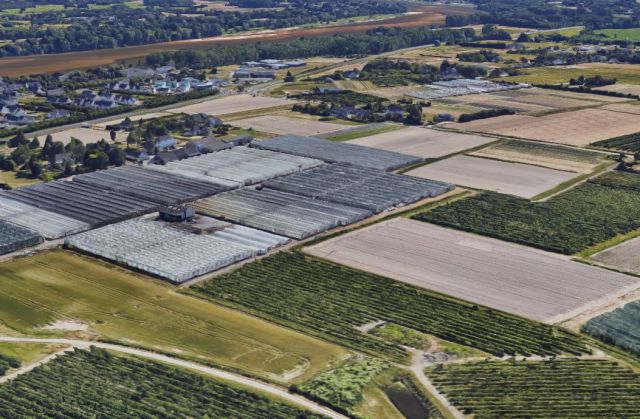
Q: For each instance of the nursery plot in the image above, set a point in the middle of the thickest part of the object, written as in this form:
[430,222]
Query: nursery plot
[279,212]
[362,187]
[620,327]
[422,142]
[174,254]
[531,283]
[232,104]
[14,237]
[238,166]
[564,388]
[334,152]
[510,178]
[98,383]
[49,225]
[85,203]
[627,89]
[542,154]
[282,125]
[578,128]
[160,187]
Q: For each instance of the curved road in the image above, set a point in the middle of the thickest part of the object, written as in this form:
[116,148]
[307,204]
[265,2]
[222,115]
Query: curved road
[251,383]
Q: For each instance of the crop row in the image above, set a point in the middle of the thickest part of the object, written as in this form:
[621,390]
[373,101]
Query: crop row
[620,327]
[6,363]
[567,388]
[568,223]
[330,301]
[551,151]
[629,143]
[99,384]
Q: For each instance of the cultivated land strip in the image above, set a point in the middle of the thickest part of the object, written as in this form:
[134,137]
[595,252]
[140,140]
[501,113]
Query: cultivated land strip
[271,389]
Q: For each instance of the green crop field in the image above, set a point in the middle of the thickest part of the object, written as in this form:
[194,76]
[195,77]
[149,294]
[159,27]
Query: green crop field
[551,151]
[631,34]
[330,301]
[567,223]
[568,388]
[620,327]
[630,143]
[100,384]
[135,310]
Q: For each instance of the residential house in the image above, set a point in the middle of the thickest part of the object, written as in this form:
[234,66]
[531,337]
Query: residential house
[165,157]
[206,145]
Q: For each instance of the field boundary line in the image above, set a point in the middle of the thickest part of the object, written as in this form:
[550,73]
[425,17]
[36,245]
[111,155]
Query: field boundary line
[251,383]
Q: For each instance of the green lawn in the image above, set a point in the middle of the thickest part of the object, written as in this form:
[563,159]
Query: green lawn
[133,309]
[11,179]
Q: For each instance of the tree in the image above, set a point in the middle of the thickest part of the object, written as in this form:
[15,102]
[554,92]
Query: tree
[21,154]
[112,135]
[524,37]
[68,169]
[97,161]
[35,167]
[415,115]
[132,139]
[35,143]
[19,139]
[289,78]
[116,156]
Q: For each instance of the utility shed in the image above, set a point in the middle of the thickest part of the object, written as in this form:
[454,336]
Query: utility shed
[336,152]
[238,166]
[86,203]
[361,187]
[161,187]
[48,224]
[14,237]
[279,212]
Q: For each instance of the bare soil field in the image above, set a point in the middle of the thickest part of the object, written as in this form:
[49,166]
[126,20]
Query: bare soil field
[422,142]
[421,15]
[231,105]
[541,154]
[282,125]
[578,128]
[505,276]
[518,179]
[624,256]
[86,135]
[631,108]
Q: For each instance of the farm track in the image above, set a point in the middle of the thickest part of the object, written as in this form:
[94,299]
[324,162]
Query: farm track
[20,66]
[253,384]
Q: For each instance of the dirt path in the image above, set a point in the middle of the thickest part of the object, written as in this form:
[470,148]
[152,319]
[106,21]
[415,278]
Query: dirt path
[251,383]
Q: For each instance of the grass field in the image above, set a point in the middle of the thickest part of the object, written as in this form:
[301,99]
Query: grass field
[569,388]
[28,353]
[98,383]
[631,34]
[10,178]
[331,301]
[351,135]
[590,213]
[134,310]
[627,74]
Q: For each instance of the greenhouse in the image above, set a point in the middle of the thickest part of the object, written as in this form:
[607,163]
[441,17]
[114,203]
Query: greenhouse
[279,212]
[160,187]
[14,237]
[85,203]
[335,152]
[238,166]
[171,253]
[361,187]
[48,224]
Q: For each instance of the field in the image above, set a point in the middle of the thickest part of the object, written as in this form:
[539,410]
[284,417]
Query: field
[618,327]
[623,73]
[330,301]
[421,142]
[632,34]
[623,256]
[627,89]
[98,383]
[578,128]
[496,274]
[568,388]
[499,176]
[547,155]
[231,105]
[282,125]
[134,310]
[593,212]
[630,143]
[86,135]
[10,178]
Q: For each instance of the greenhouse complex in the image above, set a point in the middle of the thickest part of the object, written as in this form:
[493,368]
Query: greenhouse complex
[194,216]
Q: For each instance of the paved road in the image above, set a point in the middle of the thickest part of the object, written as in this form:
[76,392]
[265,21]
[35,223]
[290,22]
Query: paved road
[251,383]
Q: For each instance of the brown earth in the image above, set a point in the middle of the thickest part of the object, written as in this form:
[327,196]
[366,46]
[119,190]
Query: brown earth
[419,15]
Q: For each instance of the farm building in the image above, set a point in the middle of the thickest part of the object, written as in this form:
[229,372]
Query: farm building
[238,166]
[361,187]
[279,212]
[160,249]
[334,152]
[14,237]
